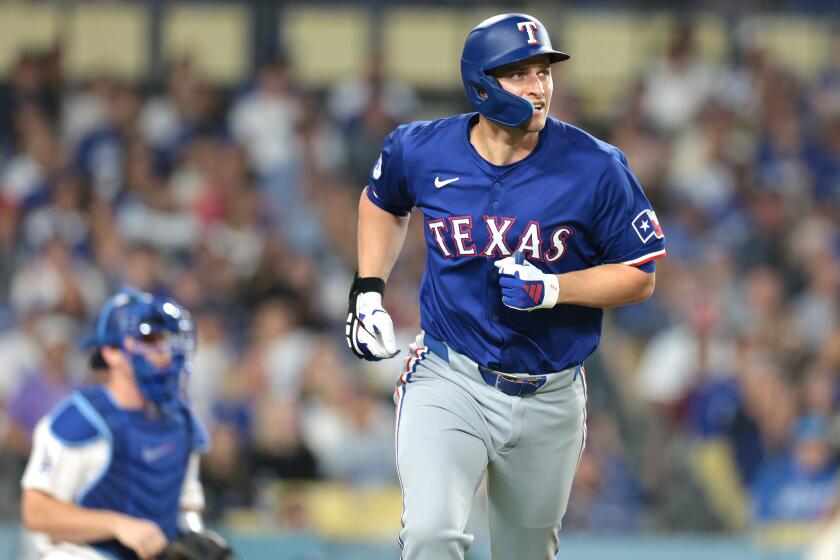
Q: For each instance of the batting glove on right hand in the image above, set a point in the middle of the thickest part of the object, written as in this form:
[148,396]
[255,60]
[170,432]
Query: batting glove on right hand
[369,329]
[524,286]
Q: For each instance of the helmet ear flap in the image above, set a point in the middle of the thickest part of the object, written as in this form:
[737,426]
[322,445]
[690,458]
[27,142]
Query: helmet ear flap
[501,106]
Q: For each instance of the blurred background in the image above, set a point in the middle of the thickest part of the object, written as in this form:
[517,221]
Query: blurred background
[215,152]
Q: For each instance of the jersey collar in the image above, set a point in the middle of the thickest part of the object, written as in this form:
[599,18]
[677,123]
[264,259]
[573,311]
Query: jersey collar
[498,171]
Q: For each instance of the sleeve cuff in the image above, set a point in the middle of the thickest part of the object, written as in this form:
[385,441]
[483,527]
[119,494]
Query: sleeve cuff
[646,258]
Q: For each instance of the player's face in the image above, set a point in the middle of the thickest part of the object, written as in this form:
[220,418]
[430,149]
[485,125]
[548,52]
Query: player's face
[531,80]
[154,347]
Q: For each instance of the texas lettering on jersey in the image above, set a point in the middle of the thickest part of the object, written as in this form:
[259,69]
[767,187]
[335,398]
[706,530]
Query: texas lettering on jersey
[454,238]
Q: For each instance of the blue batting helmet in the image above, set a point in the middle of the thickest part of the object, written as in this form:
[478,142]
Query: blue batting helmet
[131,319]
[495,42]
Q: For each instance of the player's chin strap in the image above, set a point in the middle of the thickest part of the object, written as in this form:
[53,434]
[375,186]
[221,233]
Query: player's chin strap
[369,330]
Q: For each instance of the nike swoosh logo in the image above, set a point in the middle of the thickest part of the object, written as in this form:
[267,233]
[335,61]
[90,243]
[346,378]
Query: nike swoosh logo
[152,454]
[439,183]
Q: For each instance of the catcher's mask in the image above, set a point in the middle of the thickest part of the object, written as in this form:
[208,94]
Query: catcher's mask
[156,334]
[496,42]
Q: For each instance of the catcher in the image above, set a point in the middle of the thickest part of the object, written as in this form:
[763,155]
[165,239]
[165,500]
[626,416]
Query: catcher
[114,467]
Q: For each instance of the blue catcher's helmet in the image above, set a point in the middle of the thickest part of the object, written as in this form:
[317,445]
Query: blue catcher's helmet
[495,42]
[133,321]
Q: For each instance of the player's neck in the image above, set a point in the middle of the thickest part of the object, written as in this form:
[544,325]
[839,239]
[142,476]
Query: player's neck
[125,392]
[502,145]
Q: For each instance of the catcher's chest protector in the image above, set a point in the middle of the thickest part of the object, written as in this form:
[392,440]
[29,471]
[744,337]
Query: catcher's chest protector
[147,466]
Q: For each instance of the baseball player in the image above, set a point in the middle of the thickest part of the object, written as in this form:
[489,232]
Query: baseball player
[532,227]
[114,468]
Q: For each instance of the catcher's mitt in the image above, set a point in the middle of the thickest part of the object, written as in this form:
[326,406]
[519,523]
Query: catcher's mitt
[207,545]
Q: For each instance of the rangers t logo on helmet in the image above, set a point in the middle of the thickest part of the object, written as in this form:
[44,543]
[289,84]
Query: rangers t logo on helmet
[530,27]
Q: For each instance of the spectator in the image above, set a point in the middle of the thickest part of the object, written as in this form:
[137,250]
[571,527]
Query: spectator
[44,387]
[102,153]
[346,427]
[214,361]
[279,452]
[678,85]
[800,486]
[607,495]
[264,121]
[683,354]
[149,213]
[56,281]
[19,354]
[25,181]
[347,101]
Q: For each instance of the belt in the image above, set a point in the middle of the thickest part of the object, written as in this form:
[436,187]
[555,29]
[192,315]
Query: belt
[507,383]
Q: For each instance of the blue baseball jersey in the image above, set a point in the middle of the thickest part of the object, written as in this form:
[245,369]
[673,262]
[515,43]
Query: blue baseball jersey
[571,204]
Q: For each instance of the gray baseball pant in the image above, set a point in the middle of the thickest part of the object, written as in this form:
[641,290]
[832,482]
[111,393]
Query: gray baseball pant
[452,428]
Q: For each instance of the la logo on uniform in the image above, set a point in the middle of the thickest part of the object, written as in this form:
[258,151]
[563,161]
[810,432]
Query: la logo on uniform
[531,27]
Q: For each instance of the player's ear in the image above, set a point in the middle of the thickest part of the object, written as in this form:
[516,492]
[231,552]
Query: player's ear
[112,356]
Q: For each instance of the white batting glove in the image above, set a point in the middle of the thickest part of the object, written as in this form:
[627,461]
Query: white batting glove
[524,286]
[369,330]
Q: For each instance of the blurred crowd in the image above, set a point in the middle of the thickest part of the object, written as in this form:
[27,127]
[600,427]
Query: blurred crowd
[713,406]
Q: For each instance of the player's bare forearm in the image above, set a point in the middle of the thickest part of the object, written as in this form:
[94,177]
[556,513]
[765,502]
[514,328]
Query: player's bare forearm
[607,285]
[64,521]
[380,238]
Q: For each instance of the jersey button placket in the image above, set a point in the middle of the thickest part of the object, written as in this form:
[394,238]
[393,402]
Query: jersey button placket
[497,188]
[495,205]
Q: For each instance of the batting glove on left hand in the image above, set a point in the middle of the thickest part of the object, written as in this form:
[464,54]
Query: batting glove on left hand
[369,330]
[524,286]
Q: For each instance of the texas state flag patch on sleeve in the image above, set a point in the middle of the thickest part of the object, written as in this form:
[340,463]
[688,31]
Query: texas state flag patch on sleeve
[647,226]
